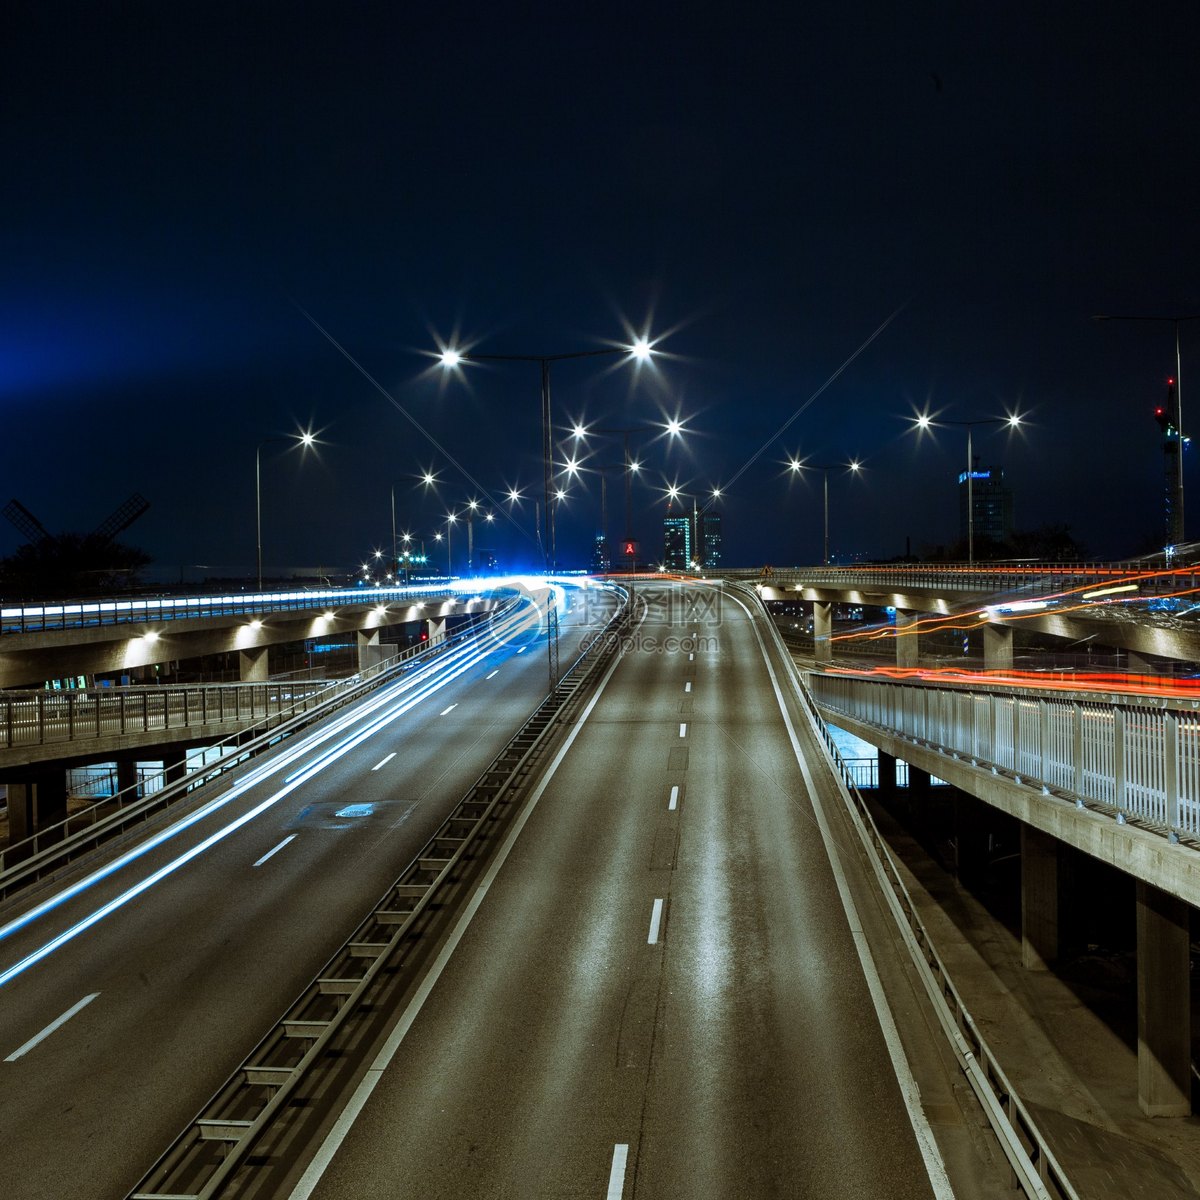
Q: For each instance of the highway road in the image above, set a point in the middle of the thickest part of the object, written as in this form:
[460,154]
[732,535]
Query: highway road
[661,993]
[124,1006]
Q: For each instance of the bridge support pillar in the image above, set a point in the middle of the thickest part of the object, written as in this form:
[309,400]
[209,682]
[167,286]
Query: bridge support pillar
[370,652]
[435,628]
[1164,1004]
[970,838]
[887,778]
[35,801]
[907,650]
[997,648]
[822,630]
[1039,899]
[252,665]
[127,775]
[174,766]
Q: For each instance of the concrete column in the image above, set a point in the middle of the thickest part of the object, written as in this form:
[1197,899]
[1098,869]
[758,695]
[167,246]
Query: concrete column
[1164,1004]
[174,765]
[822,630]
[887,778]
[127,775]
[252,665]
[907,650]
[997,648]
[370,653]
[970,838]
[35,801]
[1039,899]
[435,628]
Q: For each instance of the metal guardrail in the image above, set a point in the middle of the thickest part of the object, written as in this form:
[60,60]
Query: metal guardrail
[262,1092]
[55,845]
[1031,579]
[73,614]
[1038,1172]
[1138,757]
[41,718]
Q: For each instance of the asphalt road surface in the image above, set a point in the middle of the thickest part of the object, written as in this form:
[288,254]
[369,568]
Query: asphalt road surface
[123,1007]
[660,995]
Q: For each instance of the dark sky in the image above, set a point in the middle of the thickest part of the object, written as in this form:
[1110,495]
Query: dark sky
[759,186]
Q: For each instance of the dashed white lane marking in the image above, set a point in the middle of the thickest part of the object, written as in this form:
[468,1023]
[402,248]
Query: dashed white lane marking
[616,1174]
[655,921]
[522,650]
[337,1135]
[935,1167]
[290,838]
[446,710]
[674,801]
[55,1024]
[493,674]
[683,729]
[687,687]
[690,657]
[383,762]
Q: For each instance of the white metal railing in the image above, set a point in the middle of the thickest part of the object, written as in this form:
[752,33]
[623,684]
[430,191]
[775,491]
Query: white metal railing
[44,718]
[1135,758]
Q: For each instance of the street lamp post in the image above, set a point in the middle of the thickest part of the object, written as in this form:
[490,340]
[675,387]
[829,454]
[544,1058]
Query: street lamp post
[631,465]
[1013,421]
[853,466]
[450,358]
[305,440]
[1178,533]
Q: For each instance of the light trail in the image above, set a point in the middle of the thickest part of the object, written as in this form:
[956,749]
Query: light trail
[417,680]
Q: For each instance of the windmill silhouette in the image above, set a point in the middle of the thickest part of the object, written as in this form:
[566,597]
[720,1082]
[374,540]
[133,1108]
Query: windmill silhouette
[116,522]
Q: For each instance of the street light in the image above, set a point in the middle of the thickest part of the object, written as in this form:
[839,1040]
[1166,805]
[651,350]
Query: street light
[673,428]
[853,466]
[1177,522]
[304,440]
[1013,421]
[452,358]
[641,351]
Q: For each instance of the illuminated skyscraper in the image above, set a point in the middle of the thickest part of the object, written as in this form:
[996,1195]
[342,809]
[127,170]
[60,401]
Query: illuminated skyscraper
[677,538]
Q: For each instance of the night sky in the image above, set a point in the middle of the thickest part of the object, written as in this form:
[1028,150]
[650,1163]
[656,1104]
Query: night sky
[760,187]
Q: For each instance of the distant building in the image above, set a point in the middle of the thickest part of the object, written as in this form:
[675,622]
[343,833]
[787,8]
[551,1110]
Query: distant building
[708,539]
[677,539]
[601,558]
[992,502]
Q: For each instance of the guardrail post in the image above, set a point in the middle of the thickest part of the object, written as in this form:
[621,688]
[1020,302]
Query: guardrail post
[1077,747]
[1044,739]
[1174,814]
[1118,739]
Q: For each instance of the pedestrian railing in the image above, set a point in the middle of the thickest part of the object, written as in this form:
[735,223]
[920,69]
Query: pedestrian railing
[1132,756]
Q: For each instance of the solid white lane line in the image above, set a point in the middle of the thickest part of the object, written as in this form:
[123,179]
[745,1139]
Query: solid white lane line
[493,674]
[291,837]
[655,921]
[383,762]
[616,1175]
[683,729]
[935,1166]
[446,710]
[674,797]
[687,687]
[341,1127]
[55,1024]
